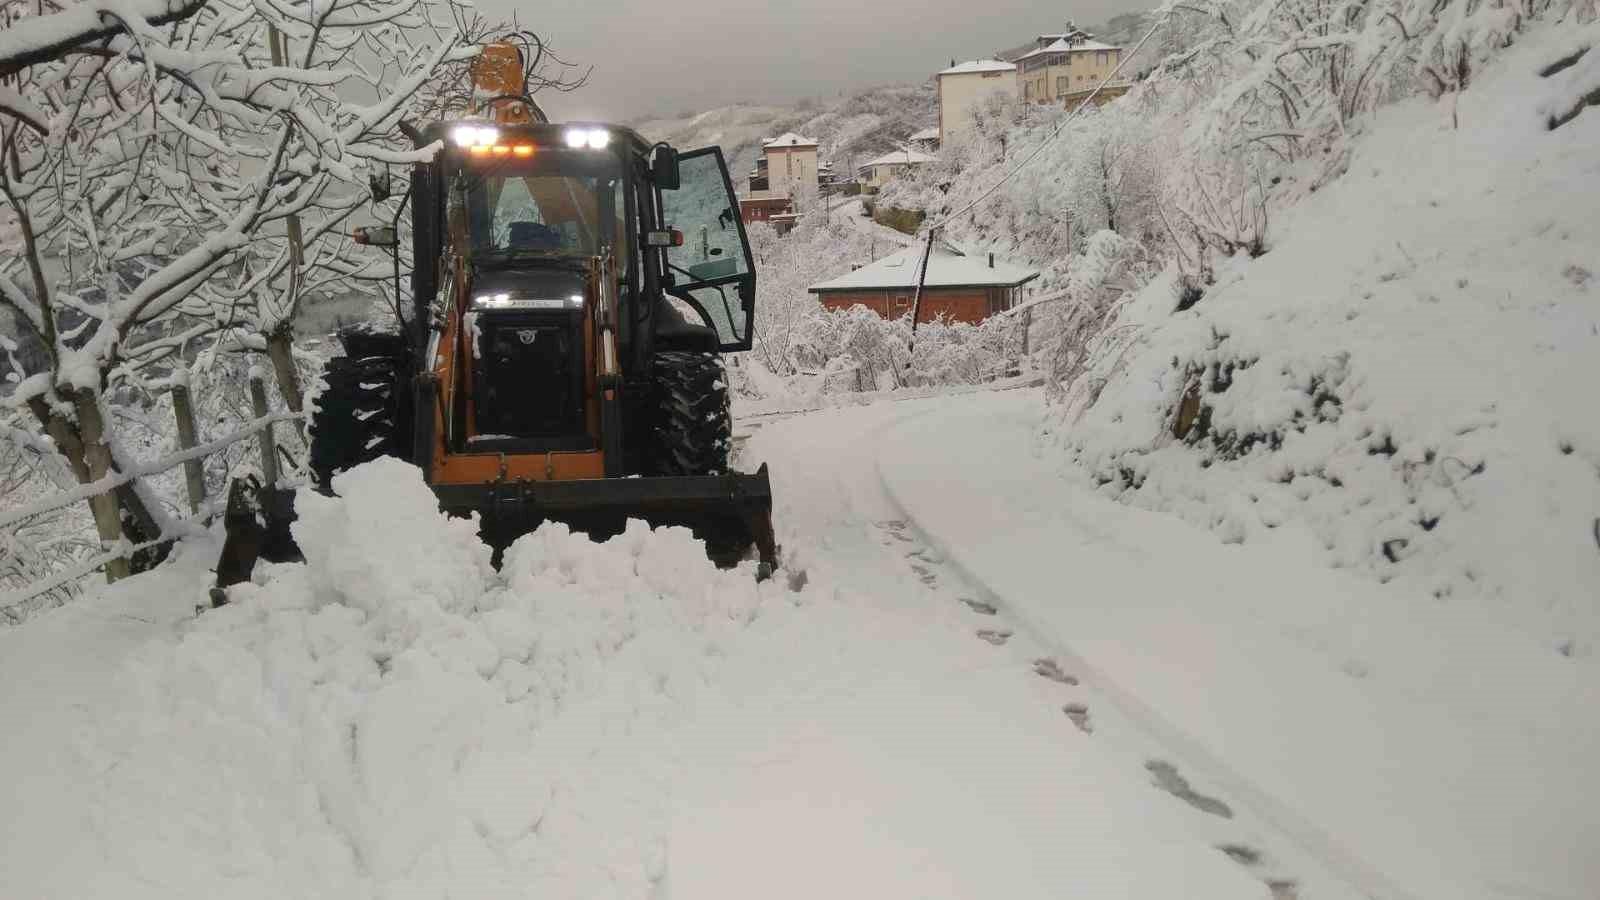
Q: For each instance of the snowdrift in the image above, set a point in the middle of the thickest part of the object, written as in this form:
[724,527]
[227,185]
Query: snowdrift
[392,718]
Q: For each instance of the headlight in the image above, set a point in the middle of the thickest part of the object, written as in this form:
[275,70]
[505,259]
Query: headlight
[595,138]
[473,135]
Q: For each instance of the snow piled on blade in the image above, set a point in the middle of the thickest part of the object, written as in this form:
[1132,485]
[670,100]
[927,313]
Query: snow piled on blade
[393,718]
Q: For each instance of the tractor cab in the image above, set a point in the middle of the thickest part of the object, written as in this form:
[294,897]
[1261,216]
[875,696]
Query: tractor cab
[569,256]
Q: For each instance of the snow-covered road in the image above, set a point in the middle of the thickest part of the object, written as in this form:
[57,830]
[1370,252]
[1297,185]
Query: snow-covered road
[1363,739]
[972,680]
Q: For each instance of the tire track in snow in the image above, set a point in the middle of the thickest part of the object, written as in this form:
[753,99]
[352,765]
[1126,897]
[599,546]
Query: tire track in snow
[1310,840]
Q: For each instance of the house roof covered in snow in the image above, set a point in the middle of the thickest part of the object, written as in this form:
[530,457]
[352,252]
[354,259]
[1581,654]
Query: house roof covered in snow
[906,157]
[1063,46]
[947,267]
[789,139]
[930,133]
[979,65]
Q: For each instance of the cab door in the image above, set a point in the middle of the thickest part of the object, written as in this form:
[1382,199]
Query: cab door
[713,270]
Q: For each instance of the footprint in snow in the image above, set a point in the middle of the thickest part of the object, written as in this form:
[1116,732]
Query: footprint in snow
[1168,779]
[1242,854]
[1283,889]
[979,607]
[896,529]
[1079,714]
[1049,668]
[995,636]
[925,574]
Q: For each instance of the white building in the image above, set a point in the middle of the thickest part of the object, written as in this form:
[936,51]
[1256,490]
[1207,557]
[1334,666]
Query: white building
[963,88]
[926,139]
[875,173]
[792,168]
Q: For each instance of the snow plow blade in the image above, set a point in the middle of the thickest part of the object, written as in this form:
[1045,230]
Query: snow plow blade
[730,512]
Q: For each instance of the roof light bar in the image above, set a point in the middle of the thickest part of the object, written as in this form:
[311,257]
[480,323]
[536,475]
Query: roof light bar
[593,138]
[473,135]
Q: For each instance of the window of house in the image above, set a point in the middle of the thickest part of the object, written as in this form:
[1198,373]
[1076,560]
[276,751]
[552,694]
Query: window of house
[1062,84]
[1027,90]
[1101,57]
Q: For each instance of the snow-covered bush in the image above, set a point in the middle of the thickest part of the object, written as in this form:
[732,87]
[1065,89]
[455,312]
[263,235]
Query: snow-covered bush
[800,347]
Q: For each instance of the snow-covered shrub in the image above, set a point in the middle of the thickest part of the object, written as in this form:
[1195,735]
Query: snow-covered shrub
[799,347]
[1111,269]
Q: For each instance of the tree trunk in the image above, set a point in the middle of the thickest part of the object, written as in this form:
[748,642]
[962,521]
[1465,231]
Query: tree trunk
[80,454]
[97,464]
[280,349]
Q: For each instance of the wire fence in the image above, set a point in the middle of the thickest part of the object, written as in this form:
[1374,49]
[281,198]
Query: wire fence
[190,455]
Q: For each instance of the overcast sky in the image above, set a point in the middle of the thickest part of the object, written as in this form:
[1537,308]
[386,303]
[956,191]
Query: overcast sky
[666,56]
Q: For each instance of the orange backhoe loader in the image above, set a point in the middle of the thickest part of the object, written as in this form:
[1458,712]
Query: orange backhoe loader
[561,357]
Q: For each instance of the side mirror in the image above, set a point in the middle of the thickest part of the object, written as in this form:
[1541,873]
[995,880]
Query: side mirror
[375,236]
[382,188]
[664,167]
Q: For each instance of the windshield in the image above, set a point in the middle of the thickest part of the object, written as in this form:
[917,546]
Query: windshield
[516,214]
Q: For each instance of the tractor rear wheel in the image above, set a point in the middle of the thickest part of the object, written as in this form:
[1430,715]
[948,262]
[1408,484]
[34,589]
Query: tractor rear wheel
[360,415]
[691,430]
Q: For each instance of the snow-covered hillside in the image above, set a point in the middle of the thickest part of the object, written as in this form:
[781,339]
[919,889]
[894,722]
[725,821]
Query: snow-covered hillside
[1409,369]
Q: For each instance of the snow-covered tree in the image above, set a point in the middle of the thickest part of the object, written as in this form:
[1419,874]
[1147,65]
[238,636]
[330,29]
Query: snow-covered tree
[179,176]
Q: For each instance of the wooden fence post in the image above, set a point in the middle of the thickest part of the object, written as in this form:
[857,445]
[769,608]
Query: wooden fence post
[194,469]
[269,444]
[1027,325]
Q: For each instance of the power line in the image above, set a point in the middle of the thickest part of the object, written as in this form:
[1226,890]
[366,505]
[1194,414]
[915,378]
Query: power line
[927,252]
[1059,126]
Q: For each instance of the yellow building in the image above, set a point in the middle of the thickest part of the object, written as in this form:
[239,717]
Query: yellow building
[965,87]
[1053,71]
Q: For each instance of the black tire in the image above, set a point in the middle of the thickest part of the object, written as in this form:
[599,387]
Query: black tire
[691,428]
[360,415]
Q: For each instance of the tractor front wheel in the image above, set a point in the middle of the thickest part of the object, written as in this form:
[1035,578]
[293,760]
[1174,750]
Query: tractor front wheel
[359,416]
[691,431]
